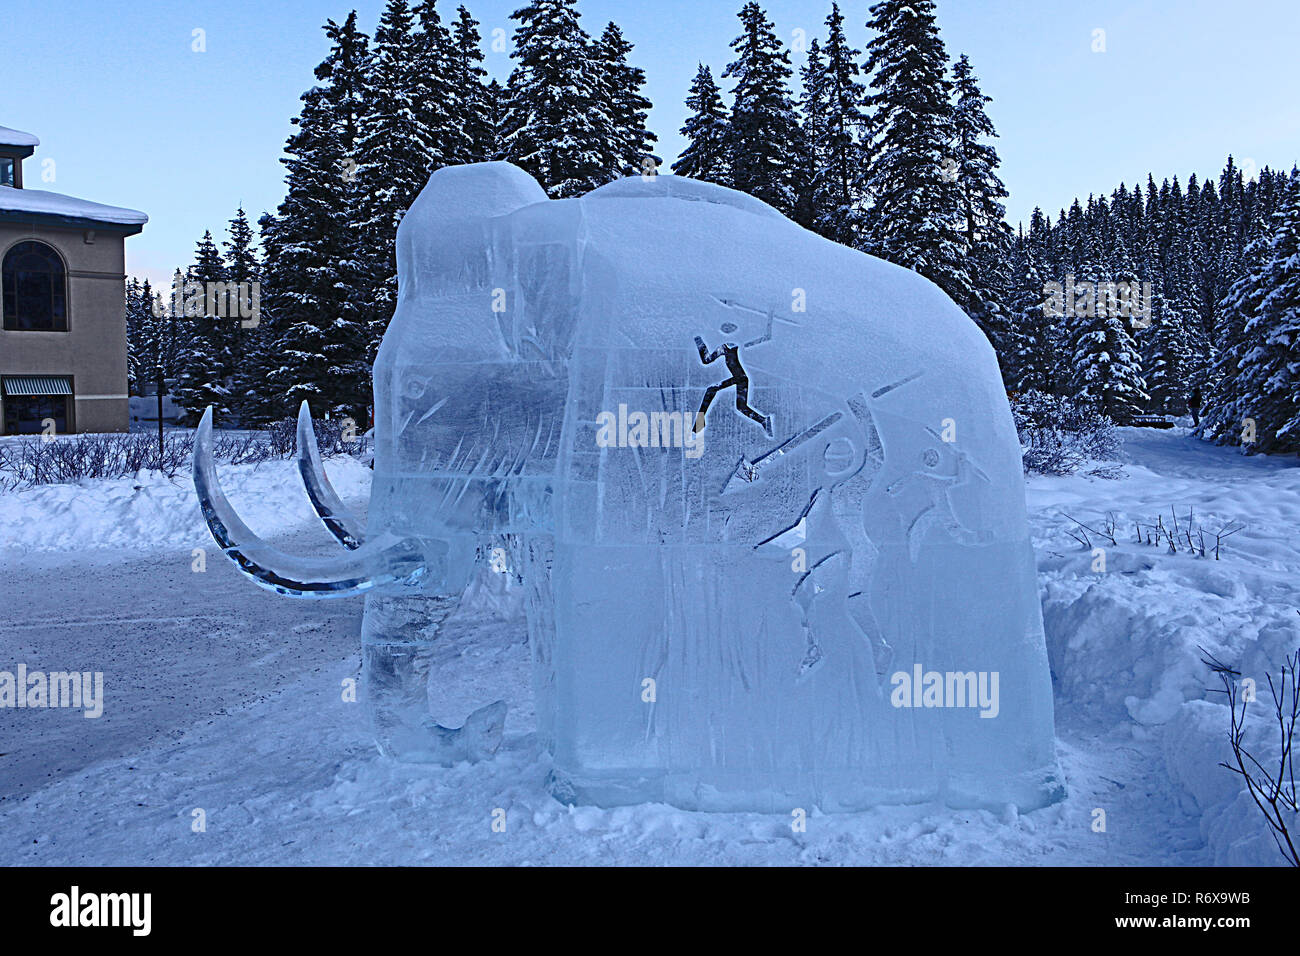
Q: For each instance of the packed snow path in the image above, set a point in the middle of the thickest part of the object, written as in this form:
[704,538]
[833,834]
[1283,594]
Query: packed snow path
[176,647]
[235,708]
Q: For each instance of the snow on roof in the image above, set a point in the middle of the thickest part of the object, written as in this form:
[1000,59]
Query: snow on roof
[16,137]
[41,202]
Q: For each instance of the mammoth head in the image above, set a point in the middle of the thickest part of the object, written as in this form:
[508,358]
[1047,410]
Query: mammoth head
[460,209]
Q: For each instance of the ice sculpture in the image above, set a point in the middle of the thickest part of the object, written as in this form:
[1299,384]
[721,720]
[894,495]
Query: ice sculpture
[764,491]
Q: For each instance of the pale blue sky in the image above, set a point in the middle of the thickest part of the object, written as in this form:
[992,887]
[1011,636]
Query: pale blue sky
[131,116]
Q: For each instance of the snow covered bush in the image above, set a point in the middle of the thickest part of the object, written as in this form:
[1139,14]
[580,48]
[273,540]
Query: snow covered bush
[1060,435]
[68,458]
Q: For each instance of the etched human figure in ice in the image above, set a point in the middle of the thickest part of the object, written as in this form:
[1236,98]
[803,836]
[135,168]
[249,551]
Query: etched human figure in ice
[923,494]
[833,553]
[730,352]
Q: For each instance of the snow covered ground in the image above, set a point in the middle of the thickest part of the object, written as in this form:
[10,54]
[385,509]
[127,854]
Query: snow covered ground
[151,512]
[223,699]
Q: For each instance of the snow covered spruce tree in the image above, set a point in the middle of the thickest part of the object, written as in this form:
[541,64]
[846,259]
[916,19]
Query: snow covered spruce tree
[137,308]
[396,151]
[981,189]
[495,98]
[1107,366]
[1029,352]
[206,368]
[1228,400]
[915,220]
[621,84]
[476,107]
[812,76]
[1274,331]
[150,335]
[1167,359]
[706,133]
[836,125]
[441,113]
[988,237]
[1257,404]
[312,340]
[555,119]
[764,141]
[243,269]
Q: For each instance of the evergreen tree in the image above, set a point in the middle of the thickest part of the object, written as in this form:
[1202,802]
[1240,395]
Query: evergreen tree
[978,183]
[988,237]
[806,163]
[764,139]
[136,313]
[1227,399]
[207,366]
[397,152]
[555,123]
[706,132]
[836,124]
[1107,366]
[1167,360]
[151,335]
[161,340]
[241,252]
[1259,387]
[313,337]
[1030,353]
[496,106]
[243,270]
[916,219]
[468,74]
[621,83]
[441,113]
[1275,331]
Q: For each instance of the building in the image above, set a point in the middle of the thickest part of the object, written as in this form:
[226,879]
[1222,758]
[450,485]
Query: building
[62,274]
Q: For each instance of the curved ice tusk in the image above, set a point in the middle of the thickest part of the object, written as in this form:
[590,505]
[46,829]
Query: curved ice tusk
[386,561]
[337,519]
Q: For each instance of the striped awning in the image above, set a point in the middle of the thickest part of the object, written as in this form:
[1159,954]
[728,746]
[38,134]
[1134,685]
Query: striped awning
[26,385]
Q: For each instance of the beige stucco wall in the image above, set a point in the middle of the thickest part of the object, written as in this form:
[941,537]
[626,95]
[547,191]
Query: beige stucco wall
[93,350]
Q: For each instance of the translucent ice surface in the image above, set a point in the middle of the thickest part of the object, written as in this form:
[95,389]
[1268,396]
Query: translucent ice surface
[764,494]
[820,592]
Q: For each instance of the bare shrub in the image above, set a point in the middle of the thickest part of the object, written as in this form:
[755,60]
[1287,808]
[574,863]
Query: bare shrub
[36,460]
[1272,789]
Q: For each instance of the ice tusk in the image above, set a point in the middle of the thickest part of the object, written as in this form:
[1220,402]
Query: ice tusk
[336,517]
[386,561]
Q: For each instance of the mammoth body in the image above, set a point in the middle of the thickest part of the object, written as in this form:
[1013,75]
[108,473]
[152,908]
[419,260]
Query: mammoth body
[813,589]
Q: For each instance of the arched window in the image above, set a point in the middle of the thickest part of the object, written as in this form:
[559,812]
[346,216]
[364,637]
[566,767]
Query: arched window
[34,289]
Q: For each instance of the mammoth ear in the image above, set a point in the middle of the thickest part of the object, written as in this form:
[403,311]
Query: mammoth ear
[445,231]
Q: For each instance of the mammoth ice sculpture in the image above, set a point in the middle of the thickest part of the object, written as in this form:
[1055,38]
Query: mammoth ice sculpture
[764,493]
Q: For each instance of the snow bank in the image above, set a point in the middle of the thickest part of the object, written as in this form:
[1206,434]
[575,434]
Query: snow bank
[152,511]
[293,778]
[1194,744]
[1126,643]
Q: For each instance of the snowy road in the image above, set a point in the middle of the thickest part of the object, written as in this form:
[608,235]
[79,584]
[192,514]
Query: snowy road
[176,648]
[227,701]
